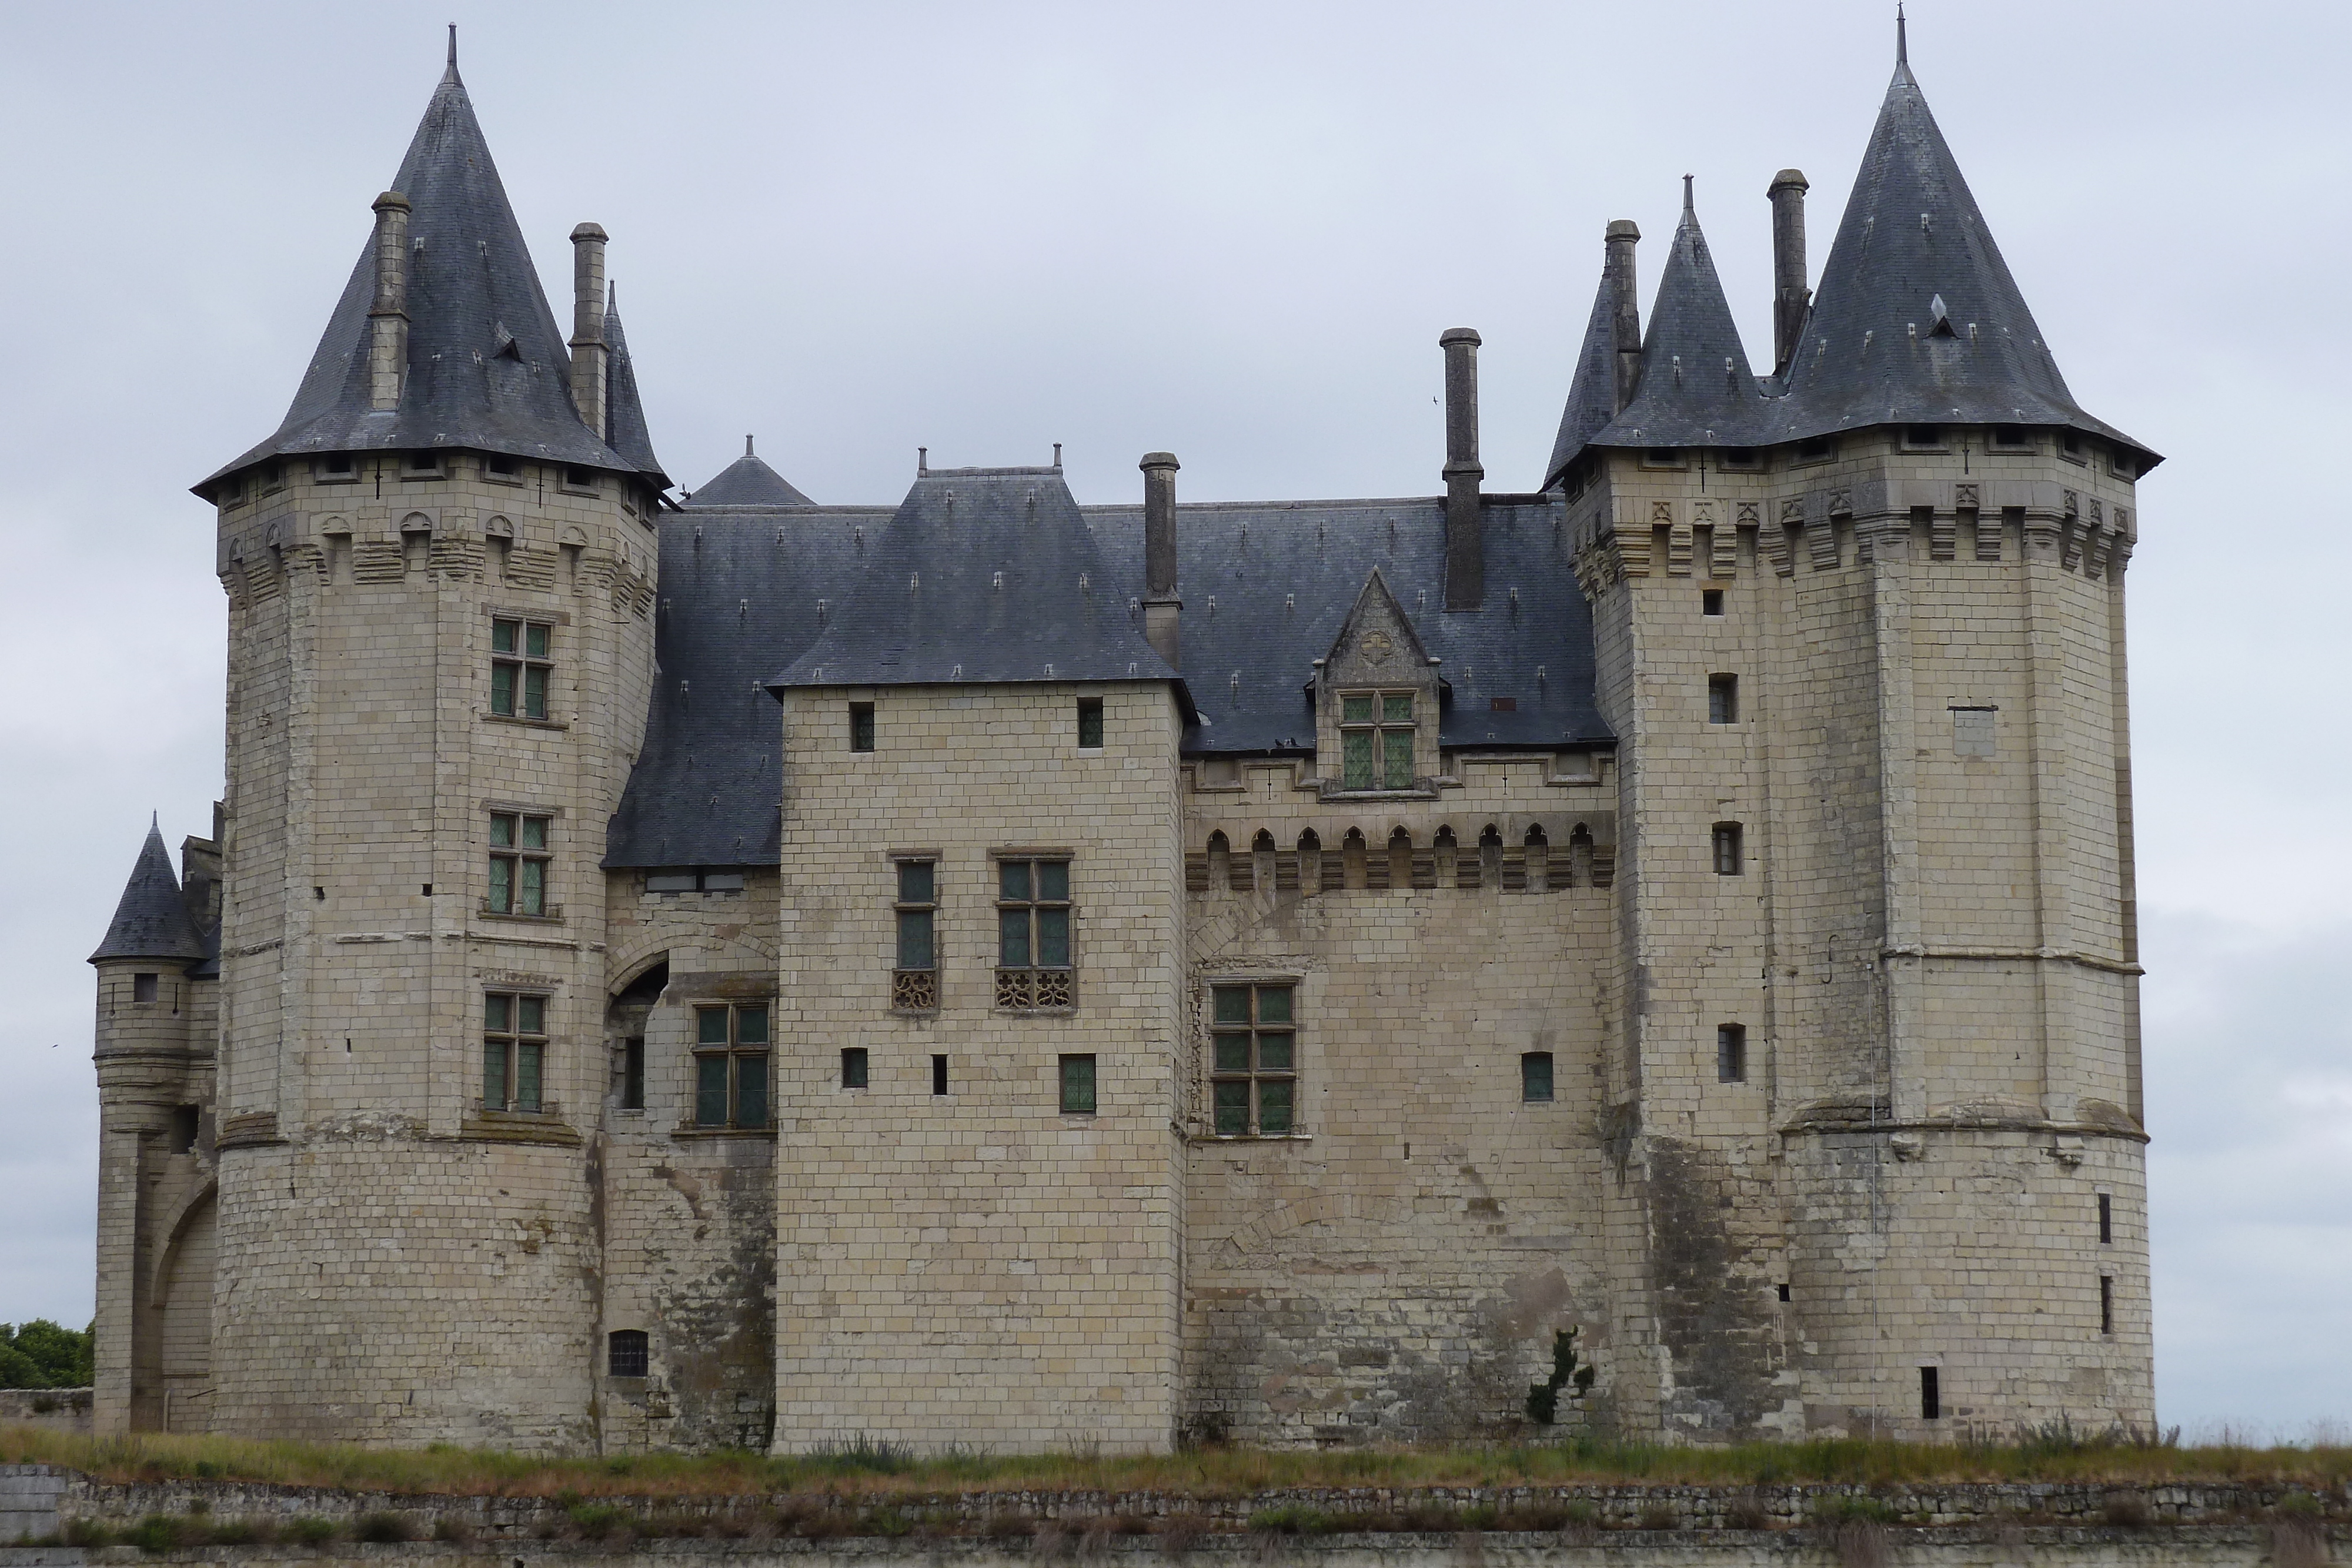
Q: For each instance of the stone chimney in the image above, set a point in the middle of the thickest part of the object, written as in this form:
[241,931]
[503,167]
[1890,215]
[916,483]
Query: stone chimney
[1789,295]
[1465,542]
[388,318]
[1161,608]
[1626,328]
[588,350]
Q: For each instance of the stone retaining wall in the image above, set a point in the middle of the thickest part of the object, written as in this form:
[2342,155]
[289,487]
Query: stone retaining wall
[51,1410]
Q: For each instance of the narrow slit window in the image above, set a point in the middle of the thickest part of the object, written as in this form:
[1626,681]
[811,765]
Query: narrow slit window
[514,1051]
[939,1075]
[853,1067]
[1255,1065]
[628,1354]
[730,1066]
[1077,1085]
[914,980]
[2106,1303]
[1931,1395]
[1727,845]
[521,663]
[861,726]
[2107,1220]
[1535,1077]
[1731,1053]
[633,1074]
[1723,699]
[1090,724]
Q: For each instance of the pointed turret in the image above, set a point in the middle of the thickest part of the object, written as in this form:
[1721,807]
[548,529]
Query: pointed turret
[624,416]
[1592,394]
[983,575]
[1695,388]
[472,356]
[152,920]
[1918,320]
[748,482]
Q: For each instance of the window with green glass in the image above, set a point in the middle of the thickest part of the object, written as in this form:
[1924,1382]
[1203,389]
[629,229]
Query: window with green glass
[1033,934]
[522,661]
[731,1065]
[915,979]
[514,1050]
[1254,1068]
[1077,1085]
[1376,740]
[1535,1077]
[519,860]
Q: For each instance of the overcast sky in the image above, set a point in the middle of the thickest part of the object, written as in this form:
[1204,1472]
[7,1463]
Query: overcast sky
[1232,231]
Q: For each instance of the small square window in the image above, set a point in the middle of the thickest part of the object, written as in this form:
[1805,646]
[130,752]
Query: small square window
[1821,449]
[1784,1291]
[142,988]
[2012,438]
[1662,458]
[1077,1085]
[340,466]
[1723,699]
[861,726]
[420,465]
[1090,724]
[501,467]
[1535,1077]
[628,1354]
[1922,437]
[1742,459]
[853,1067]
[2070,446]
[1731,1053]
[578,478]
[1710,601]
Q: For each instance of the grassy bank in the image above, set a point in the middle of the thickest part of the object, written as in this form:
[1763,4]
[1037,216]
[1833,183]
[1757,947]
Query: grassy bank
[881,1472]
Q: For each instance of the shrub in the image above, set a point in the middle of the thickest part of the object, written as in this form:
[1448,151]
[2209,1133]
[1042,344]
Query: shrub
[1749,1513]
[313,1532]
[241,1532]
[452,1527]
[87,1532]
[1292,1520]
[1432,1517]
[158,1532]
[1180,1532]
[1852,1508]
[1862,1544]
[601,1521]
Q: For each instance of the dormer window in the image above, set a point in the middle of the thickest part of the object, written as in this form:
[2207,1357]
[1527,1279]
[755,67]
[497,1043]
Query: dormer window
[2012,438]
[1376,740]
[336,468]
[1922,438]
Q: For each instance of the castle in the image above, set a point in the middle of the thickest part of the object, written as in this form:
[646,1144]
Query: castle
[735,971]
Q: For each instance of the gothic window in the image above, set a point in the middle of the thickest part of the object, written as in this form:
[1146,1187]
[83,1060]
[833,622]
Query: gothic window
[1376,740]
[731,1065]
[514,1050]
[522,659]
[518,864]
[1033,934]
[1254,1070]
[915,981]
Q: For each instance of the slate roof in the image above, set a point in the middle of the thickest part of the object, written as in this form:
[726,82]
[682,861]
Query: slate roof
[624,415]
[1592,393]
[1696,389]
[471,287]
[747,482]
[983,575]
[152,920]
[1876,349]
[750,591]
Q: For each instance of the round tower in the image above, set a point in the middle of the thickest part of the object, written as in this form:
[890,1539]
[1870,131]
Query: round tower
[440,574]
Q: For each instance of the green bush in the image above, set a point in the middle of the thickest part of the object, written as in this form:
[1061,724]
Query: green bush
[601,1521]
[42,1354]
[311,1531]
[158,1532]
[1292,1520]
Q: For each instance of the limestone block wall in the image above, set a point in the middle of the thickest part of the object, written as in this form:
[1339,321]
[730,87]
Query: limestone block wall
[389,1226]
[1398,1267]
[688,1214]
[976,1267]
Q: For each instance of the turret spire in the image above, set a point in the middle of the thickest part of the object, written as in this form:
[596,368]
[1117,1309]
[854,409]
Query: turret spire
[450,73]
[151,919]
[1902,41]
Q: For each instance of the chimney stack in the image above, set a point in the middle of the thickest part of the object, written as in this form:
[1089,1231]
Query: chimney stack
[1626,327]
[388,318]
[1789,295]
[1466,543]
[1160,605]
[588,352]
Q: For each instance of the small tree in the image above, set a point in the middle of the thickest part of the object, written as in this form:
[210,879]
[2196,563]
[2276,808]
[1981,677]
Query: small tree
[43,1355]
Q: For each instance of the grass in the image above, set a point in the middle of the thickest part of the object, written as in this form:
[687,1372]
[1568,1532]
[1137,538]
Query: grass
[878,1472]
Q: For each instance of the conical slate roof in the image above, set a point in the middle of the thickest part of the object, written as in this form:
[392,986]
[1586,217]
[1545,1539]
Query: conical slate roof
[151,921]
[748,482]
[982,575]
[488,368]
[624,416]
[1593,395]
[1917,319]
[1695,389]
